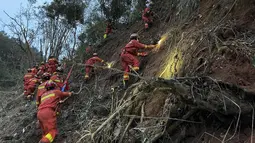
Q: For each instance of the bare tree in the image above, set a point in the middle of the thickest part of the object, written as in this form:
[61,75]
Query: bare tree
[23,30]
[54,33]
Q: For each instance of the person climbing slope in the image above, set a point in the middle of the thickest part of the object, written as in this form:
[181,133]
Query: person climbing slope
[147,18]
[52,64]
[90,63]
[57,77]
[129,56]
[30,87]
[34,70]
[108,29]
[47,111]
[41,88]
[41,69]
[28,75]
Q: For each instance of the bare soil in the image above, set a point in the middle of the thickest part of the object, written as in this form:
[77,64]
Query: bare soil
[212,38]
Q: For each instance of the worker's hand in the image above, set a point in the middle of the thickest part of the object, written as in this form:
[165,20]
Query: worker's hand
[151,46]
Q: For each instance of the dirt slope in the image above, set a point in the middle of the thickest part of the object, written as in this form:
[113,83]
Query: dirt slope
[212,38]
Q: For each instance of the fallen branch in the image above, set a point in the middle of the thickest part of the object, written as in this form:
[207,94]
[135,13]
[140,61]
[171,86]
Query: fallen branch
[117,70]
[126,104]
[178,123]
[127,91]
[75,93]
[129,123]
[164,118]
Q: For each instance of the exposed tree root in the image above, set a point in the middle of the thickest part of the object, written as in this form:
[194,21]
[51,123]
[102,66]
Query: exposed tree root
[180,100]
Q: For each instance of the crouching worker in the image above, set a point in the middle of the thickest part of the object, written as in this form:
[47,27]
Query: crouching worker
[90,63]
[47,111]
[30,87]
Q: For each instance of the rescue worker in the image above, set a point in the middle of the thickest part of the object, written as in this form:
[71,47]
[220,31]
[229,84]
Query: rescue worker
[28,75]
[147,17]
[58,79]
[90,63]
[52,64]
[41,70]
[34,70]
[129,56]
[46,67]
[108,29]
[41,88]
[47,111]
[30,87]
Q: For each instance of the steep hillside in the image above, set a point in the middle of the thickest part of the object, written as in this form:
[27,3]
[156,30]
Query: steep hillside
[197,87]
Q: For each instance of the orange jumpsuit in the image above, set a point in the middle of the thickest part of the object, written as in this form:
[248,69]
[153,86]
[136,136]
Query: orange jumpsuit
[42,70]
[47,113]
[108,28]
[147,17]
[129,57]
[34,71]
[40,91]
[30,86]
[89,65]
[28,76]
[60,83]
[52,65]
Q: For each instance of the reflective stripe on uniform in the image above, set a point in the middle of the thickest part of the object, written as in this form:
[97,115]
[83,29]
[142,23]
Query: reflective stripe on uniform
[125,76]
[57,80]
[47,96]
[49,137]
[41,87]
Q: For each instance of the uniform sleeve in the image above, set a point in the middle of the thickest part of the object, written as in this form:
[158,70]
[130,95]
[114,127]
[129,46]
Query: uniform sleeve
[99,59]
[139,45]
[63,94]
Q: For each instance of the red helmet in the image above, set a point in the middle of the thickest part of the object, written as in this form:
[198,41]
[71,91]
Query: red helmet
[46,76]
[50,85]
